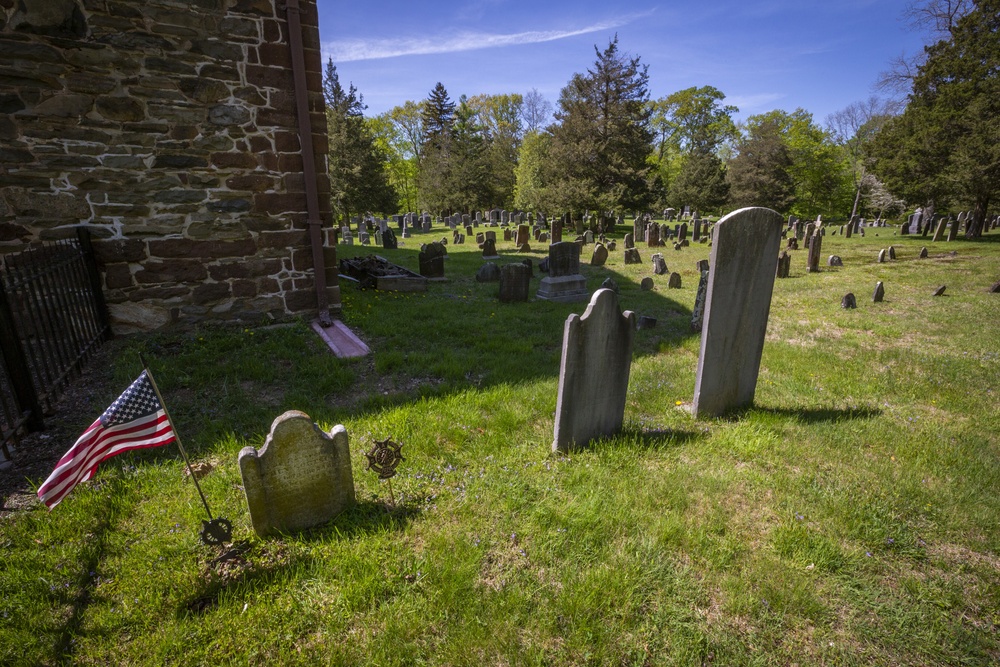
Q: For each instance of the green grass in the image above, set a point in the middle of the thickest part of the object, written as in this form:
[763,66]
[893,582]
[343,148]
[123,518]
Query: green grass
[850,517]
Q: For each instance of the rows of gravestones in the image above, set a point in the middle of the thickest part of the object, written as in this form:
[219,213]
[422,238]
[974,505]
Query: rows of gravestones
[305,479]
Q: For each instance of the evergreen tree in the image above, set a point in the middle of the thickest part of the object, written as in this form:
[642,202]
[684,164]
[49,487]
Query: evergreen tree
[701,183]
[760,174]
[602,137]
[358,178]
[469,185]
[435,178]
[945,147]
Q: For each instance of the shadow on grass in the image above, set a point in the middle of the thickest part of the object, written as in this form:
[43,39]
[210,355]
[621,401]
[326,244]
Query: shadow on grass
[807,415]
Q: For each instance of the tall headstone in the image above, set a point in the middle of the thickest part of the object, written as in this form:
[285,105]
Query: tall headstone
[941,228]
[698,312]
[879,292]
[300,478]
[523,235]
[815,246]
[564,282]
[784,264]
[741,280]
[594,372]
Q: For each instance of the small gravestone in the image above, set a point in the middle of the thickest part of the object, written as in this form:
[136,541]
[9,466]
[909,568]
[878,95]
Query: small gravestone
[488,273]
[300,478]
[892,252]
[389,239]
[815,246]
[588,237]
[939,291]
[490,249]
[646,284]
[611,284]
[738,299]
[953,228]
[646,322]
[941,228]
[600,255]
[594,372]
[881,256]
[995,289]
[632,256]
[674,282]
[543,237]
[701,265]
[629,241]
[431,261]
[524,247]
[564,282]
[611,245]
[698,312]
[849,301]
[481,239]
[508,235]
[784,264]
[793,244]
[515,279]
[923,253]
[531,268]
[835,260]
[879,293]
[659,264]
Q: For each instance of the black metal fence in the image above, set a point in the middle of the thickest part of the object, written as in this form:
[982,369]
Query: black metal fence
[52,317]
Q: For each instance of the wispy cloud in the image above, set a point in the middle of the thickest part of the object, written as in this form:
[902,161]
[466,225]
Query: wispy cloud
[367,49]
[749,103]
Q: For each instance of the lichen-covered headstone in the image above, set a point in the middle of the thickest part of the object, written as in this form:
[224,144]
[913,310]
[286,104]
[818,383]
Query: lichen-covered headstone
[600,255]
[879,292]
[593,374]
[674,282]
[659,264]
[300,478]
[849,301]
[743,266]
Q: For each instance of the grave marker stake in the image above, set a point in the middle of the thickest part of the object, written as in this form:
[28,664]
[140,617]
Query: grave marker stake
[213,531]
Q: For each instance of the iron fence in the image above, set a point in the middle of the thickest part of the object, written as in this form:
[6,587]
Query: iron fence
[52,318]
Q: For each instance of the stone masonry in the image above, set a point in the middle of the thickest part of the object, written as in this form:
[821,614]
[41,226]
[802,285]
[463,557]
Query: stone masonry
[169,128]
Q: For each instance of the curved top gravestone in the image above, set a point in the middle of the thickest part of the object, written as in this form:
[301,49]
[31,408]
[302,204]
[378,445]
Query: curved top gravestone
[593,374]
[743,262]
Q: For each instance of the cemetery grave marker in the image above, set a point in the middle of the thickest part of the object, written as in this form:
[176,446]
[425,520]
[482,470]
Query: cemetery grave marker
[594,372]
[738,298]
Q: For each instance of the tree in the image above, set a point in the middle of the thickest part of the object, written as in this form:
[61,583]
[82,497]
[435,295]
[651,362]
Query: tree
[760,174]
[401,162]
[438,119]
[358,179]
[854,128]
[602,136]
[938,18]
[701,183]
[947,141]
[536,111]
[693,120]
[530,189]
[468,184]
[500,117]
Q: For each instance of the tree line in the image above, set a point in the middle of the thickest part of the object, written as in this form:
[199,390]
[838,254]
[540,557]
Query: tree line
[607,146]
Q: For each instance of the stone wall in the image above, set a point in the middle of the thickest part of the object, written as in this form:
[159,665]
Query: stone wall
[169,128]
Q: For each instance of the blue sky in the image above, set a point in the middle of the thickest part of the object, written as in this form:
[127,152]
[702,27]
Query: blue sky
[776,54]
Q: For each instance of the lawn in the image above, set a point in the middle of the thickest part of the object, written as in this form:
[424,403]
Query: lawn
[850,517]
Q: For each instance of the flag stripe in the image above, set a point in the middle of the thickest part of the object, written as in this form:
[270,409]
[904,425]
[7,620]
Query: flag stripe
[97,445]
[110,435]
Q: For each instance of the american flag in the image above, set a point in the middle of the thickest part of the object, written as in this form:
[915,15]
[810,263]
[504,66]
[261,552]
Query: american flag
[134,421]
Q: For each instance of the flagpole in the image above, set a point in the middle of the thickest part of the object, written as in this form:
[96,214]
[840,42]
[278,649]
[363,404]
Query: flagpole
[177,436]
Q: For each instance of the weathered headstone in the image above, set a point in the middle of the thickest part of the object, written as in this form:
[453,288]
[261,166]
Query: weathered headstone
[646,284]
[523,235]
[431,261]
[490,249]
[784,264]
[941,228]
[923,253]
[488,273]
[879,292]
[995,289]
[515,279]
[564,282]
[835,260]
[632,256]
[389,239]
[741,280]
[698,312]
[674,282]
[629,241]
[652,235]
[881,256]
[300,478]
[600,255]
[659,264]
[892,252]
[610,283]
[849,301]
[815,247]
[594,372]
[939,291]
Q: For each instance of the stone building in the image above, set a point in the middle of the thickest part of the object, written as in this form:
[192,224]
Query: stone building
[170,128]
